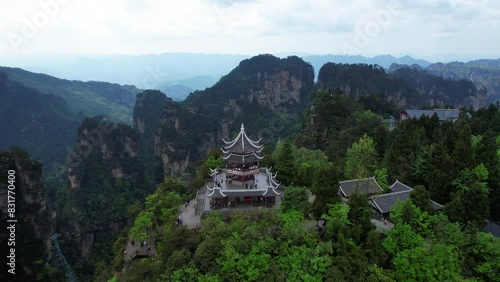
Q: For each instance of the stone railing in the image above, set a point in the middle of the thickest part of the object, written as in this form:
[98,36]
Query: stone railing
[243,172]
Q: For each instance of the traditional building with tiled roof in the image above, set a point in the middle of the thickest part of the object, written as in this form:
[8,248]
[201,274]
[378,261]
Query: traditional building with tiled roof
[383,204]
[368,186]
[442,114]
[243,182]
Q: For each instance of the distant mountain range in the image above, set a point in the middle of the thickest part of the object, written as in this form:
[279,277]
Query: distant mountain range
[175,74]
[385,61]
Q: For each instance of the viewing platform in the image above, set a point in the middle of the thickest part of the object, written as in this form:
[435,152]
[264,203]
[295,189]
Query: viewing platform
[139,249]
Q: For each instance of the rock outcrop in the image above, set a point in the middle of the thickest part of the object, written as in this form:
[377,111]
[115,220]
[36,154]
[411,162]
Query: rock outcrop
[106,175]
[405,86]
[35,217]
[266,93]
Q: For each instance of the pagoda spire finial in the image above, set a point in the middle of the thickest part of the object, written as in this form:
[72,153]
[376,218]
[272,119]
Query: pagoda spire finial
[242,127]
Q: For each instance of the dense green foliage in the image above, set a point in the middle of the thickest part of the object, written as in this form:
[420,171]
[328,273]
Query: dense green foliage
[270,245]
[40,123]
[109,187]
[360,159]
[412,86]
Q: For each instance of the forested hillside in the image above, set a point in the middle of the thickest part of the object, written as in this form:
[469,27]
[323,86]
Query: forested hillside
[107,185]
[40,123]
[90,98]
[485,74]
[418,152]
[406,87]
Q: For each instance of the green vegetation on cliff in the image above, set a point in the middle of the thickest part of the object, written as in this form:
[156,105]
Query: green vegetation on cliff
[90,98]
[34,226]
[40,123]
[408,87]
[107,188]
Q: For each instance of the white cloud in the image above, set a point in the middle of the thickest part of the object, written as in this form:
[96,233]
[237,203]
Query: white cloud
[254,26]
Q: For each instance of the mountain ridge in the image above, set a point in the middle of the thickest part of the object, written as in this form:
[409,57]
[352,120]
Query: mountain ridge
[91,98]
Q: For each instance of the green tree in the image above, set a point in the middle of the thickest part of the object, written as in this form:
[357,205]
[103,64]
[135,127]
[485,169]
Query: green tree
[187,273]
[360,217]
[286,165]
[309,162]
[487,255]
[141,224]
[214,162]
[400,238]
[439,176]
[486,153]
[381,176]
[423,263]
[421,164]
[171,185]
[470,203]
[296,198]
[242,267]
[337,222]
[462,155]
[403,150]
[408,213]
[361,159]
[421,198]
[325,187]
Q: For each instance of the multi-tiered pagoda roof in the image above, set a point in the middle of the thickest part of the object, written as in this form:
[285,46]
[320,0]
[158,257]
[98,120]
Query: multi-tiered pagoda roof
[243,182]
[242,149]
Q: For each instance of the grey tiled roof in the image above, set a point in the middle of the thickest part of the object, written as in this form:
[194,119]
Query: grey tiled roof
[362,186]
[443,114]
[400,191]
[492,227]
[399,187]
[385,202]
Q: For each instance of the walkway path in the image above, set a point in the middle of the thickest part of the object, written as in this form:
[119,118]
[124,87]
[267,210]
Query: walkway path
[381,225]
[188,214]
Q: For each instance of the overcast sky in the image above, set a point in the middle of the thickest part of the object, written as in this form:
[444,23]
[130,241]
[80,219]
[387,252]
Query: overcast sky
[366,27]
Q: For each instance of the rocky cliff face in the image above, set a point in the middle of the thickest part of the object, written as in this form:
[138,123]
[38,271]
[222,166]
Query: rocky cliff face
[148,110]
[35,218]
[266,93]
[101,139]
[485,74]
[407,87]
[183,137]
[278,89]
[106,177]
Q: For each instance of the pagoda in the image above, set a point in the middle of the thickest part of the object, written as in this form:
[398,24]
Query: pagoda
[242,182]
[242,157]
